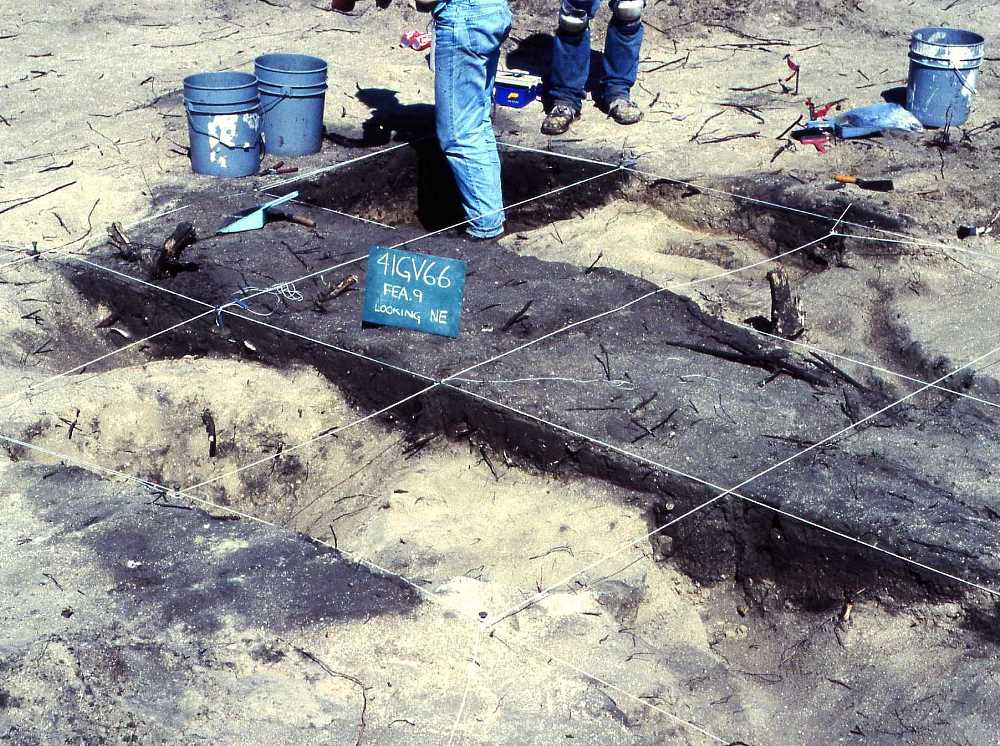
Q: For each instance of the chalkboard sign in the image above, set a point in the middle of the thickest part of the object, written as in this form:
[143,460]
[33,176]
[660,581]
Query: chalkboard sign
[414,291]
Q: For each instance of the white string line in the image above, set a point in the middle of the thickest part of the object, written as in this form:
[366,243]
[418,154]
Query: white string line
[549,193]
[395,246]
[37,387]
[435,384]
[92,241]
[335,212]
[806,521]
[419,393]
[742,197]
[34,255]
[629,304]
[225,308]
[837,222]
[431,234]
[921,244]
[733,491]
[259,322]
[720,496]
[331,346]
[431,595]
[40,386]
[871,366]
[434,597]
[538,652]
[677,519]
[332,167]
[663,466]
[596,441]
[264,188]
[38,254]
[470,673]
[316,438]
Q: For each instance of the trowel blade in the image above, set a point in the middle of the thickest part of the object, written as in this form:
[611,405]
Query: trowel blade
[255,219]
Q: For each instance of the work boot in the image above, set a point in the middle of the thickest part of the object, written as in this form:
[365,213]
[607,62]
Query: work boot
[624,111]
[559,118]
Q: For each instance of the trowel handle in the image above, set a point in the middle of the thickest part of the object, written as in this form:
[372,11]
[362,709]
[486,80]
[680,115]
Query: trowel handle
[845,179]
[291,217]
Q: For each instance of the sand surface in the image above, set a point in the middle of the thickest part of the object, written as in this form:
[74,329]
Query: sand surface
[632,651]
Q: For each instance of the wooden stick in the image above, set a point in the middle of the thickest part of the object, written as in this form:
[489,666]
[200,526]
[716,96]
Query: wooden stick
[787,319]
[36,197]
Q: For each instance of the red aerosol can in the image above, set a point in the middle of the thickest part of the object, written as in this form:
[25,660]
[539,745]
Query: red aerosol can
[416,40]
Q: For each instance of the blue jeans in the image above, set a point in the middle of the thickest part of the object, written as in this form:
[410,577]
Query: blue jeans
[467,39]
[571,56]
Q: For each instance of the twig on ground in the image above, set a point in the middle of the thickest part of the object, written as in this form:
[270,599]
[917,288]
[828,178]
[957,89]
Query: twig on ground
[55,167]
[489,462]
[705,123]
[418,445]
[727,138]
[36,197]
[740,89]
[347,677]
[751,37]
[789,128]
[192,43]
[519,316]
[114,143]
[744,109]
[682,60]
[561,548]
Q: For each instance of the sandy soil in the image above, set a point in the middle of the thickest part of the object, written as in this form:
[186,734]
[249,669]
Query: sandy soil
[90,108]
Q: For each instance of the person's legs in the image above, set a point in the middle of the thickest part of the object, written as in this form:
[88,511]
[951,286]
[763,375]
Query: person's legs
[467,39]
[621,49]
[571,52]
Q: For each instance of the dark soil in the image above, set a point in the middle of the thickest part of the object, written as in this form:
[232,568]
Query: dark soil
[764,405]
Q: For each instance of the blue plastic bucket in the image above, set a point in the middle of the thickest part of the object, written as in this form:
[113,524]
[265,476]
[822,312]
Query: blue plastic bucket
[224,123]
[944,67]
[292,93]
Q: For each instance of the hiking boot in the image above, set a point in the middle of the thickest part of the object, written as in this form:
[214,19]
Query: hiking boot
[624,111]
[559,118]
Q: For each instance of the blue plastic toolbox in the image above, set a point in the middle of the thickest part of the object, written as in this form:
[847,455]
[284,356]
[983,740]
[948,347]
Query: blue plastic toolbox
[516,89]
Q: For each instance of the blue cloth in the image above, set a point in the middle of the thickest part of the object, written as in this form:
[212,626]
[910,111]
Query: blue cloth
[467,39]
[869,120]
[571,56]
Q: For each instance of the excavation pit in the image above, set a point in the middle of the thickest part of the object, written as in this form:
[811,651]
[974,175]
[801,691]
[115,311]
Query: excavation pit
[719,404]
[596,435]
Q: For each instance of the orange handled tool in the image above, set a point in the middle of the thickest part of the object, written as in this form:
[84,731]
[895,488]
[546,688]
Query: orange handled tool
[875,185]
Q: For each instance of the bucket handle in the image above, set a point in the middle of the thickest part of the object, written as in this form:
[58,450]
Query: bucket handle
[282,93]
[286,92]
[963,80]
[260,136]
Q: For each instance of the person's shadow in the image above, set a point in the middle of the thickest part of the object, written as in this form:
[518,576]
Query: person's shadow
[533,54]
[438,201]
[390,120]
